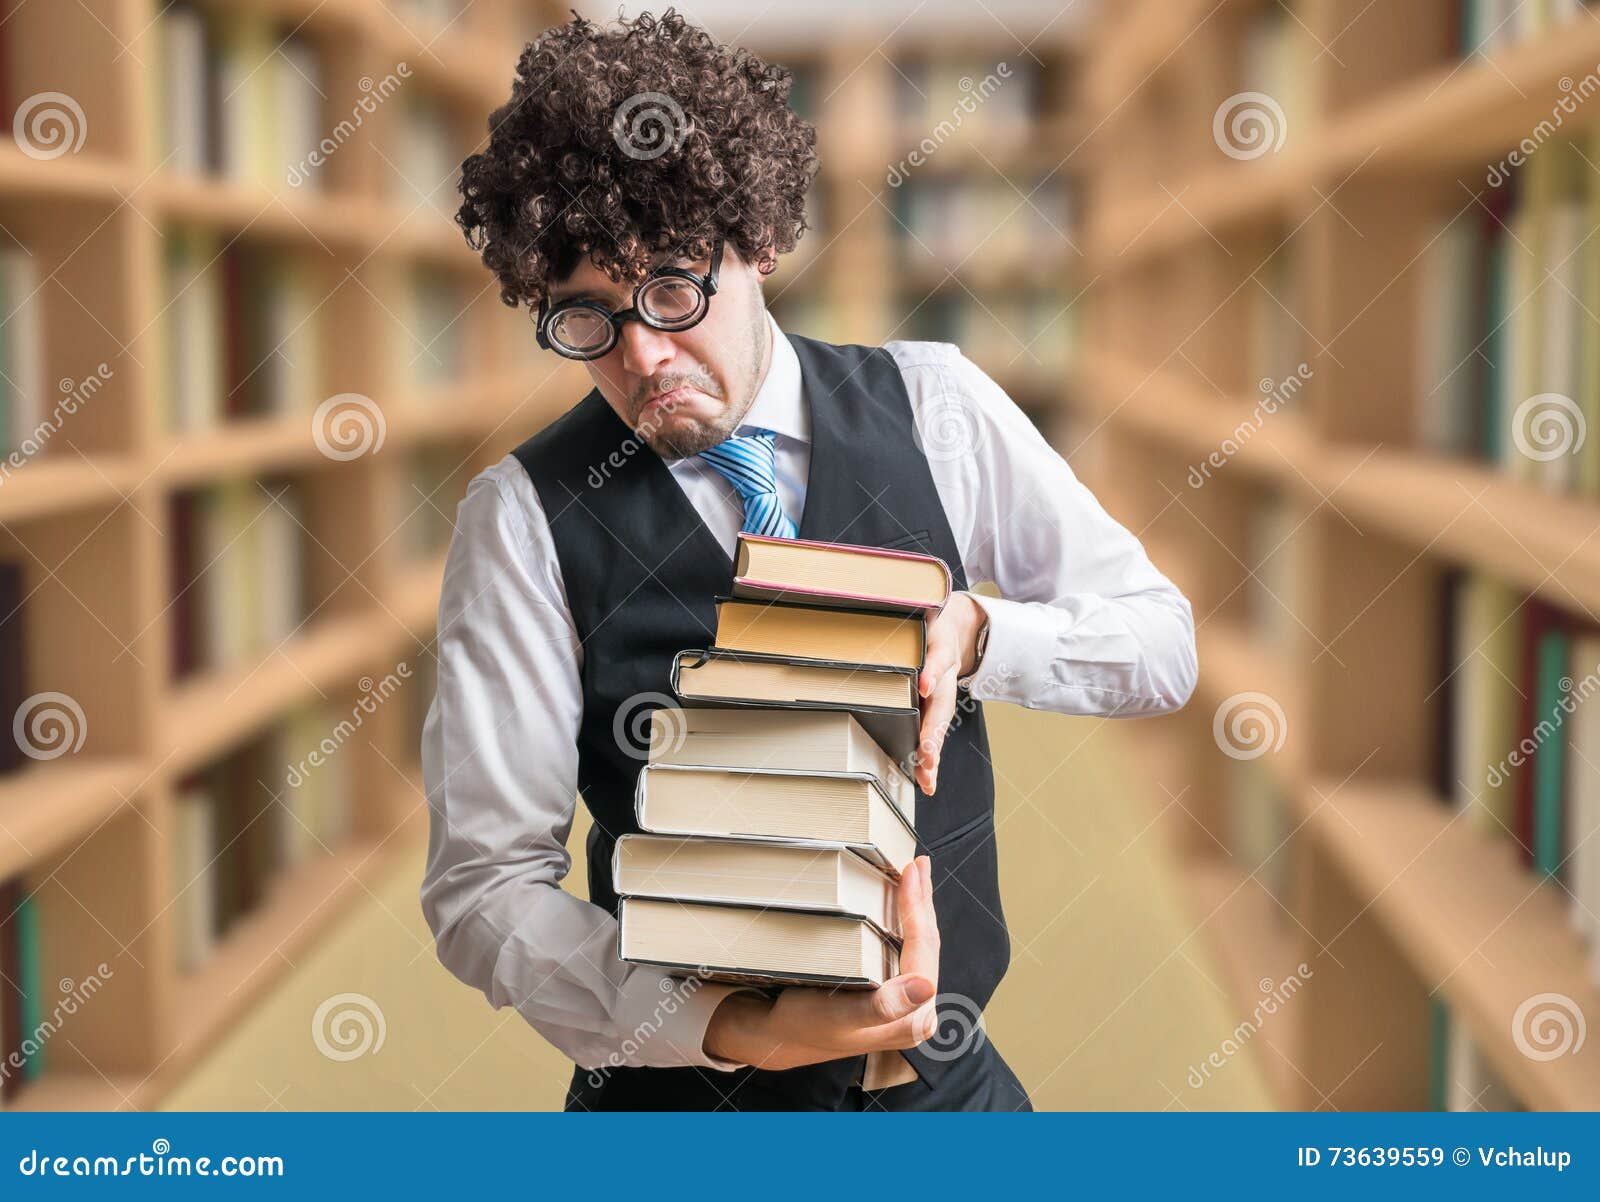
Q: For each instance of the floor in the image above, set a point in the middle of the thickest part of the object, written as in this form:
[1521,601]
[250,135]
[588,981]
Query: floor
[1110,1000]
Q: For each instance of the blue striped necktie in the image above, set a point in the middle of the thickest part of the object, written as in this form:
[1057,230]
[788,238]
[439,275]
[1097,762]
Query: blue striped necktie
[747,462]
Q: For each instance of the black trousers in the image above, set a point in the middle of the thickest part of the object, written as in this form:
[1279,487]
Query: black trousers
[978,1080]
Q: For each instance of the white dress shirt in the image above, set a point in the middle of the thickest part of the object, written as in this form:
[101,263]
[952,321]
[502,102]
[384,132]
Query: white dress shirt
[1088,626]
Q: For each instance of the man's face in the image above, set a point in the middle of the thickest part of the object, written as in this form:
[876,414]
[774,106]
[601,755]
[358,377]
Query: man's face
[681,391]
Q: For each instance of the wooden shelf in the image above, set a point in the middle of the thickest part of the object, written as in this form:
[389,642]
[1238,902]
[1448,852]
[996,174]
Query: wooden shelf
[246,447]
[1478,925]
[255,952]
[1254,943]
[1156,404]
[357,221]
[1456,508]
[1233,661]
[82,793]
[1461,115]
[206,716]
[1401,891]
[70,177]
[1475,515]
[55,484]
[1143,39]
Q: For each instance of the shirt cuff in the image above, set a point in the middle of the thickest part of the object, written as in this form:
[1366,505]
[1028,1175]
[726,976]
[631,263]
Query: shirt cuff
[1020,650]
[672,1033]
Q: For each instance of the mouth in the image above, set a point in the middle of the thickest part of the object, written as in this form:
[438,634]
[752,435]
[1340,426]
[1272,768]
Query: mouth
[665,402]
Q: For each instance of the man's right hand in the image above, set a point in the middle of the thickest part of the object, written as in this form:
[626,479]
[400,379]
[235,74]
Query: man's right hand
[805,1025]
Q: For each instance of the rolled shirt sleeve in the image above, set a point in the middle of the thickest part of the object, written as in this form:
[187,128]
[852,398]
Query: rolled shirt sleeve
[1087,625]
[499,758]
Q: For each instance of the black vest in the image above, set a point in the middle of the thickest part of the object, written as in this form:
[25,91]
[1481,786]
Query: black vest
[642,573]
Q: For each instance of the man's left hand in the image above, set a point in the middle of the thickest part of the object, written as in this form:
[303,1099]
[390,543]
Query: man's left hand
[952,654]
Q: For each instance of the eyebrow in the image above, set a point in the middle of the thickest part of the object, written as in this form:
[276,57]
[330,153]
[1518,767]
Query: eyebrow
[589,294]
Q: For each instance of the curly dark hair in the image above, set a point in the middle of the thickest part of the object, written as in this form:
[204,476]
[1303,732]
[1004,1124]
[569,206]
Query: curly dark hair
[624,143]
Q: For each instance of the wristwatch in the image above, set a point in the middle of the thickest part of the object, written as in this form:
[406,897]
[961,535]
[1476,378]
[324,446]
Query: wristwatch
[965,682]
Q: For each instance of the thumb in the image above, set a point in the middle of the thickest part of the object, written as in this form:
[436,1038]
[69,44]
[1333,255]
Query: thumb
[899,997]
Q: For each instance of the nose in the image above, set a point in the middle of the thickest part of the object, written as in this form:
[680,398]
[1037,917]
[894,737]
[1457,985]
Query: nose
[645,351]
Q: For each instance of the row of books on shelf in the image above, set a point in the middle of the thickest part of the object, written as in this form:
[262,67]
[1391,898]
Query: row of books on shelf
[1508,370]
[1278,57]
[996,100]
[1008,335]
[775,811]
[13,658]
[22,350]
[1460,1077]
[1257,828]
[1520,744]
[242,332]
[1272,594]
[430,347]
[946,221]
[432,488]
[240,97]
[22,988]
[265,809]
[237,572]
[1485,26]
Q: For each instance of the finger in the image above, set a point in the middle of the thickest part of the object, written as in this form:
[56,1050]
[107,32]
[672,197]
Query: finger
[939,662]
[919,926]
[937,712]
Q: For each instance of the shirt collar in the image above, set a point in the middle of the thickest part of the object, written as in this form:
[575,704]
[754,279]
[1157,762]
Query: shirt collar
[779,406]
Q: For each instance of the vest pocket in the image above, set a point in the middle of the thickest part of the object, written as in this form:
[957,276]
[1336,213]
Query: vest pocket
[917,539]
[960,832]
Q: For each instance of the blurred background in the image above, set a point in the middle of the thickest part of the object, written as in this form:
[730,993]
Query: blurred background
[1305,290]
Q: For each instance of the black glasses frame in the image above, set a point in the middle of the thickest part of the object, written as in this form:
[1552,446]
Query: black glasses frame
[707,284]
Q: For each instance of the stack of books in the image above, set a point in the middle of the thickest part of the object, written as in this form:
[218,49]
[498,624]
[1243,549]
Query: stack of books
[777,809]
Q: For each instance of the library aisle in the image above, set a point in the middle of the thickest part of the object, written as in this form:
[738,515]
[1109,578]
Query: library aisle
[1132,997]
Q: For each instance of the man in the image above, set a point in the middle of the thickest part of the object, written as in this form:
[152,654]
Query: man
[585,560]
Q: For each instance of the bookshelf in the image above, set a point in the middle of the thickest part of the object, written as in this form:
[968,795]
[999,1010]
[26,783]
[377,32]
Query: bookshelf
[945,206]
[88,518]
[1393,899]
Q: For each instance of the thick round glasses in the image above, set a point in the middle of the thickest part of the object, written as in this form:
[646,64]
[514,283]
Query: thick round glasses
[671,298]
